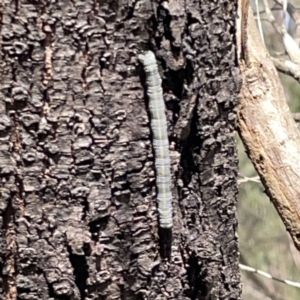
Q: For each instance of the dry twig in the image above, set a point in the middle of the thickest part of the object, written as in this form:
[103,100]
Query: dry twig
[267,275]
[248,179]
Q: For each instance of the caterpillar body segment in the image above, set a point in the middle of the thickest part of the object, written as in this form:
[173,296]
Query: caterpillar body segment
[160,139]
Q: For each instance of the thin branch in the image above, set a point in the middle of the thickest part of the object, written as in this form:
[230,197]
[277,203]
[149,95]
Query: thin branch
[267,275]
[287,67]
[248,179]
[259,23]
[284,6]
[271,18]
[291,46]
[292,10]
[259,284]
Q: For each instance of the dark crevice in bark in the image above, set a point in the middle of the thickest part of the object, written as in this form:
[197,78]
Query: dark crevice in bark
[174,106]
[96,226]
[193,272]
[8,216]
[85,204]
[175,81]
[80,267]
[164,20]
[131,10]
[52,294]
[187,162]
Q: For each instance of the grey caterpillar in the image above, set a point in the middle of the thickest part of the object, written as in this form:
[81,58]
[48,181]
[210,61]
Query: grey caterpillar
[160,139]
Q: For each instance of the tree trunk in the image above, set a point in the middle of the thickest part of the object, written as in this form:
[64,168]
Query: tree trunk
[78,204]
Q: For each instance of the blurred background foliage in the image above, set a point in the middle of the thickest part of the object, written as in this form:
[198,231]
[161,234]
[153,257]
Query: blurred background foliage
[264,241]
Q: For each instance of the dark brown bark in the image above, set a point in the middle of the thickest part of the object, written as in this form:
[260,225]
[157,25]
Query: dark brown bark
[78,201]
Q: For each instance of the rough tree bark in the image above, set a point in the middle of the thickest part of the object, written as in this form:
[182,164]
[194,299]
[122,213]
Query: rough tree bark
[78,200]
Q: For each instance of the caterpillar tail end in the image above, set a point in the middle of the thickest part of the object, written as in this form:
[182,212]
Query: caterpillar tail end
[165,242]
